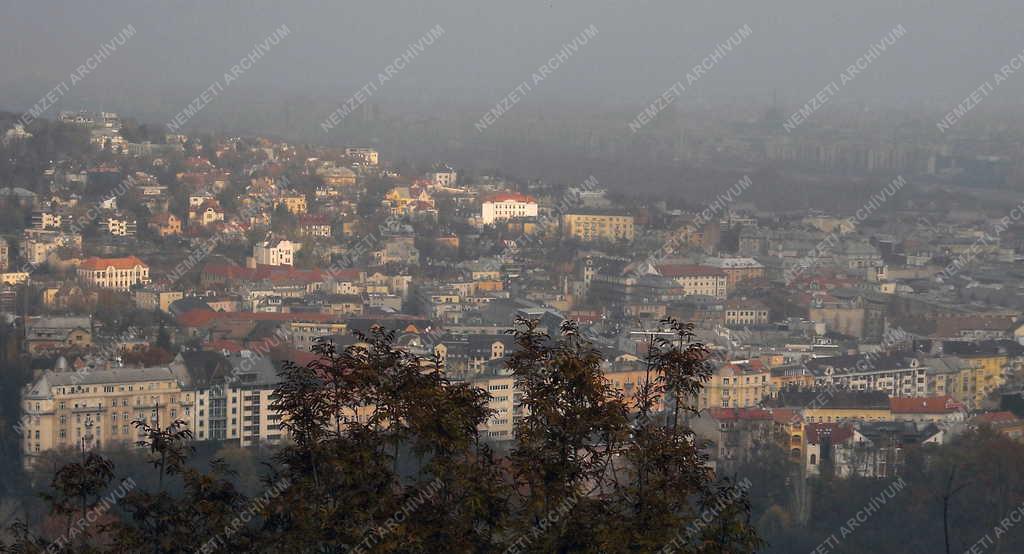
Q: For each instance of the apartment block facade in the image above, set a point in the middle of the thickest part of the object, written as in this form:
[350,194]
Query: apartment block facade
[596,226]
[95,409]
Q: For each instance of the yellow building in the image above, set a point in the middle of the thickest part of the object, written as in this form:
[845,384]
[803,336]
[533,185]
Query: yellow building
[787,376]
[740,384]
[833,405]
[829,414]
[987,361]
[595,226]
[627,378]
[789,429]
[294,202]
[14,278]
[66,409]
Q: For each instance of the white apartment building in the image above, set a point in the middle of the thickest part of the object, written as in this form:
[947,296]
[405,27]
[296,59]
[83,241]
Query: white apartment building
[121,226]
[697,279]
[277,253]
[47,219]
[369,156]
[232,396]
[443,178]
[505,206]
[502,389]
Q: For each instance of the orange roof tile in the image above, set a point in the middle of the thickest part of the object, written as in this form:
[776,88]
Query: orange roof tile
[510,196]
[128,262]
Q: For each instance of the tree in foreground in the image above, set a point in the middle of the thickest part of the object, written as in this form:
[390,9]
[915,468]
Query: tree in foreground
[385,456]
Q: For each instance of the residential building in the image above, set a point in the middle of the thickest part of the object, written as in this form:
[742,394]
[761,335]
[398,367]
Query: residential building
[154,299]
[165,224]
[738,384]
[95,409]
[700,280]
[293,201]
[443,177]
[835,405]
[894,374]
[46,334]
[735,434]
[368,156]
[504,402]
[505,206]
[121,225]
[988,364]
[873,450]
[317,226]
[113,273]
[38,244]
[275,253]
[590,226]
[1005,423]
[942,410]
[400,250]
[305,333]
[336,176]
[738,270]
[206,212]
[858,314]
[745,311]
[47,218]
[233,394]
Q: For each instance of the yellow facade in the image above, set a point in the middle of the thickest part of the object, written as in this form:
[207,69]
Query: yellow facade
[295,204]
[839,415]
[587,227]
[974,384]
[733,387]
[66,409]
[627,382]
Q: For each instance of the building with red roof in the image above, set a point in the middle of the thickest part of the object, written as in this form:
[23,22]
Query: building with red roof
[1005,423]
[934,409]
[734,434]
[113,273]
[505,206]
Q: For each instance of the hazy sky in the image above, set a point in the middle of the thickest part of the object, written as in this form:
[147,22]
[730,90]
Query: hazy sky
[643,46]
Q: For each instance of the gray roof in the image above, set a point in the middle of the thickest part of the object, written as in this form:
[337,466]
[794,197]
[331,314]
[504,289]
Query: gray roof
[61,322]
[203,369]
[41,388]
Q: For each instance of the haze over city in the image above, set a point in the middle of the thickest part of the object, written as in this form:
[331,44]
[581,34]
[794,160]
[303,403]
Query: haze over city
[555,276]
